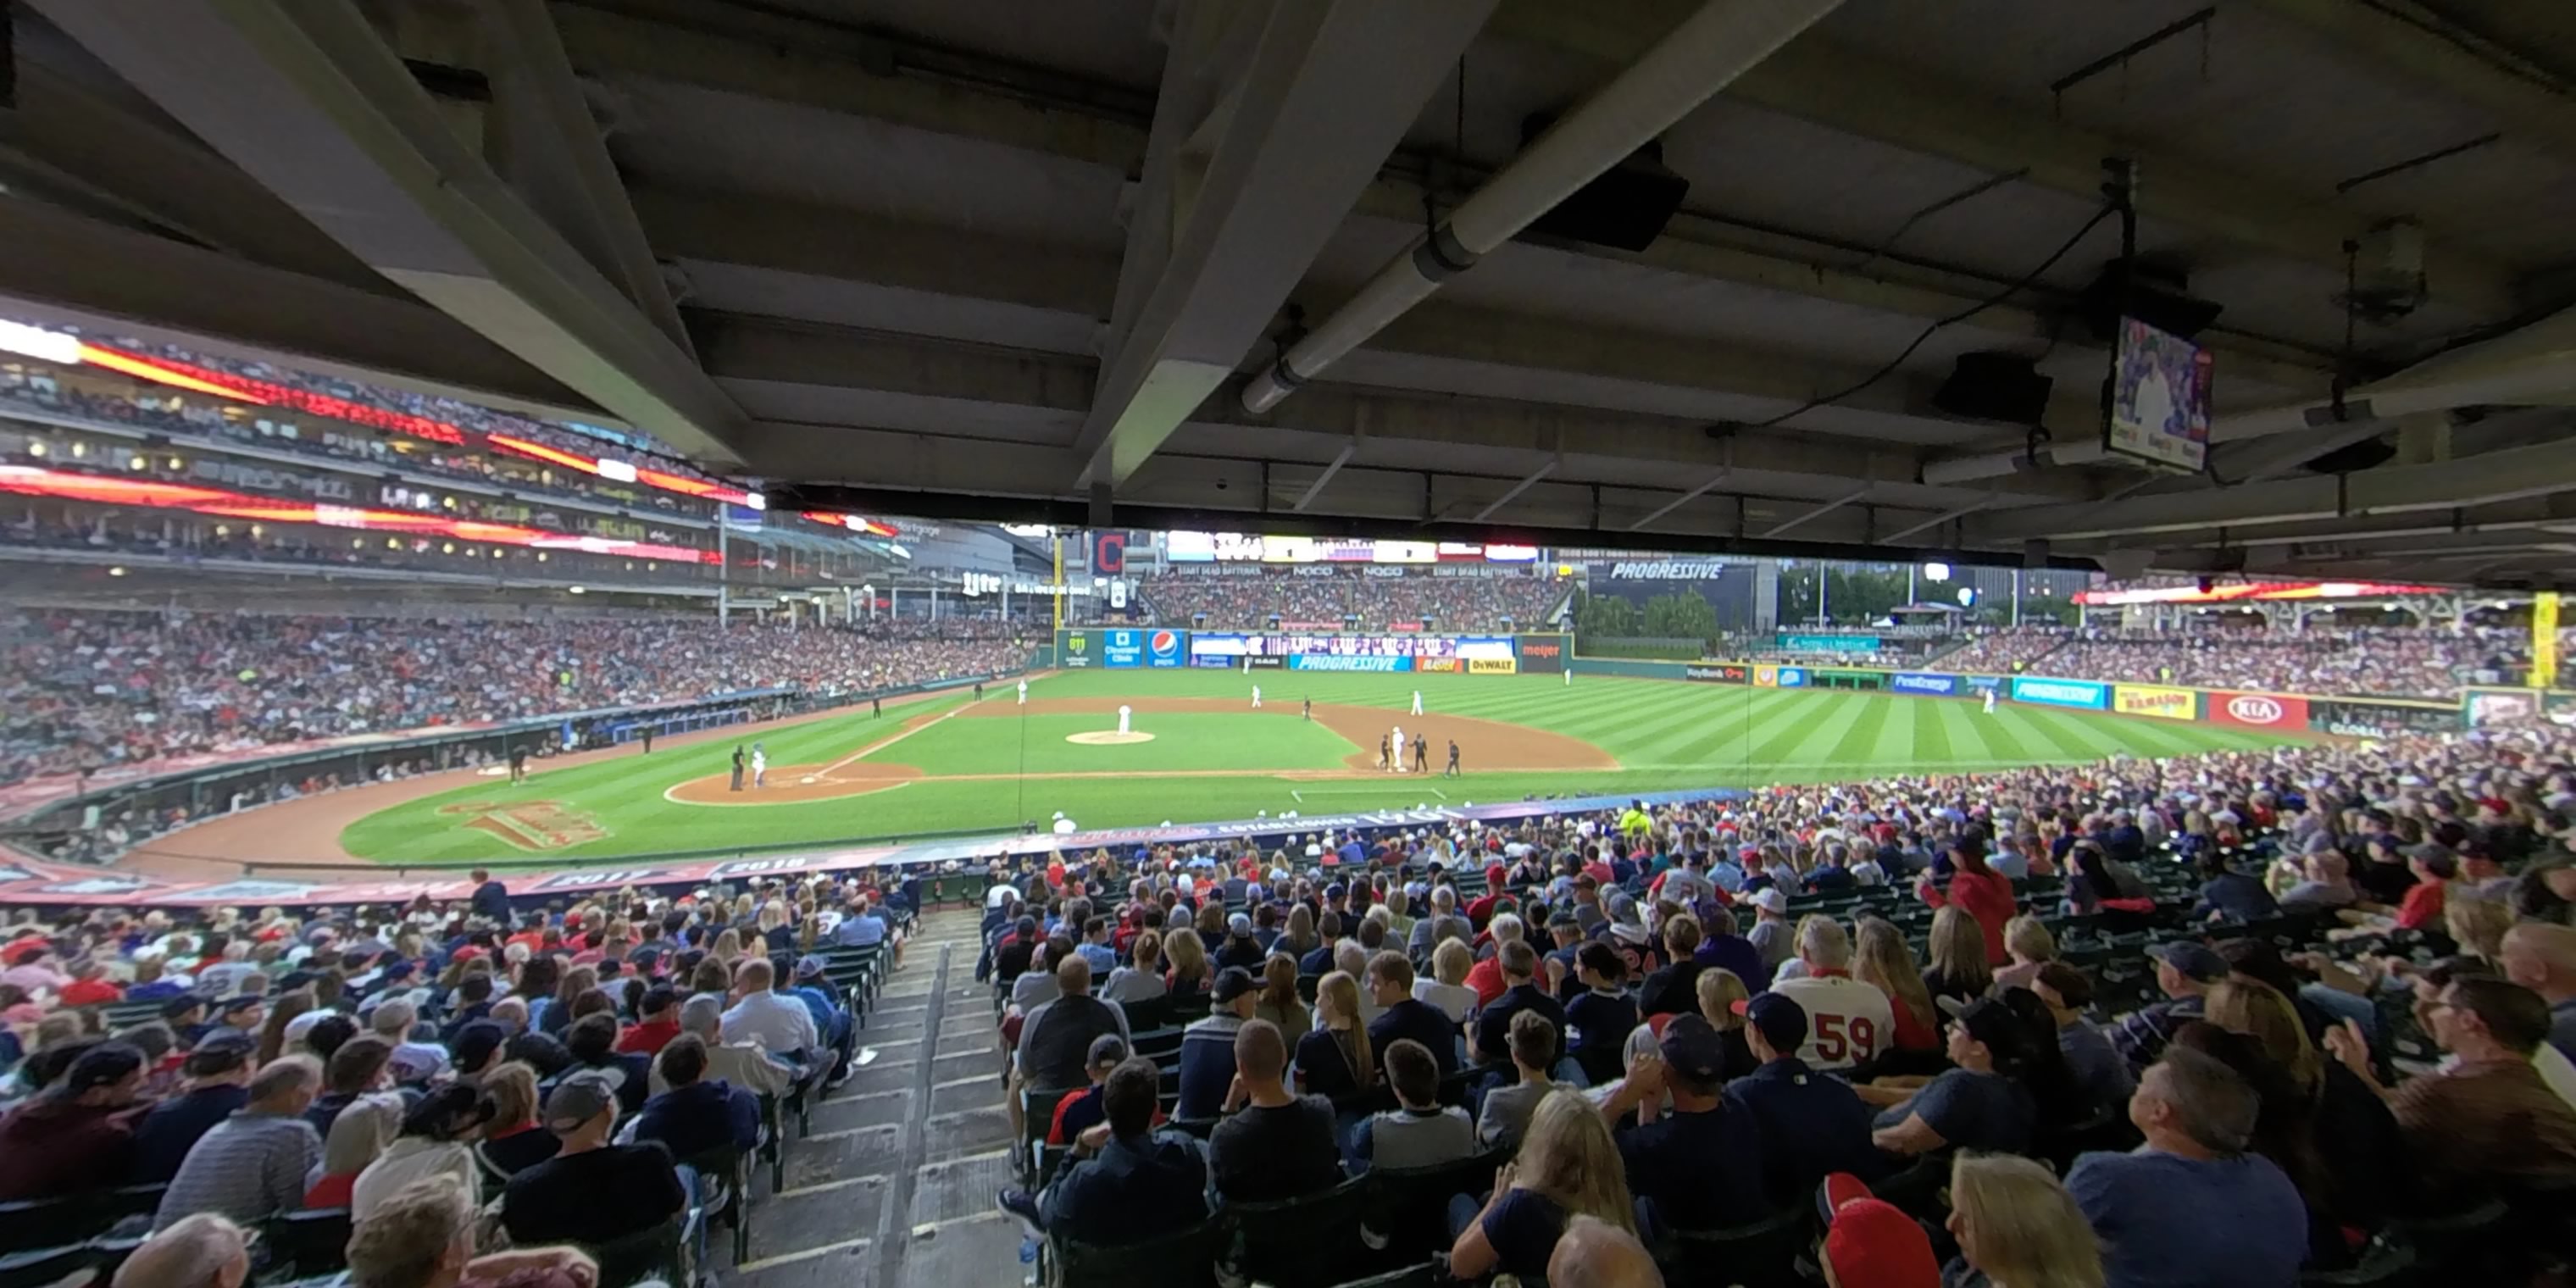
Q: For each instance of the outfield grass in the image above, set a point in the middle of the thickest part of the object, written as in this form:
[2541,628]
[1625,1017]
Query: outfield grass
[1665,735]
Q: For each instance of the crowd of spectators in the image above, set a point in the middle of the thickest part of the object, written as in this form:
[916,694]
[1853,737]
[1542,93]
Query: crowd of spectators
[1697,1017]
[578,1066]
[96,689]
[2400,662]
[1369,603]
[2004,651]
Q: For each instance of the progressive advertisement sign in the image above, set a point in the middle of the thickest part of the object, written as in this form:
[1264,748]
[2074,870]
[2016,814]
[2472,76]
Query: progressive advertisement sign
[2259,711]
[1337,662]
[1122,650]
[1930,686]
[1164,649]
[2155,700]
[2089,695]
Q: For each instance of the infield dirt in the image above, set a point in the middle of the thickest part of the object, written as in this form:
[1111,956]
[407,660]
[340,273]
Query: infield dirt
[1483,745]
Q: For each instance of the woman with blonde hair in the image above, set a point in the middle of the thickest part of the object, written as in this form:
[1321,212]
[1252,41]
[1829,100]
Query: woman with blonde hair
[727,947]
[1718,990]
[358,1137]
[1300,938]
[1960,966]
[2028,943]
[1881,957]
[1334,1060]
[2329,1130]
[2018,1227]
[1190,975]
[514,1141]
[1567,1167]
[1446,987]
[1279,1002]
[2476,925]
[1143,981]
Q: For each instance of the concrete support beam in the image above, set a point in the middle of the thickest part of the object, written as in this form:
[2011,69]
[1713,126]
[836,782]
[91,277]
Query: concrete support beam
[59,258]
[310,101]
[1872,98]
[170,179]
[547,144]
[2406,38]
[1330,88]
[2398,489]
[1684,499]
[1803,518]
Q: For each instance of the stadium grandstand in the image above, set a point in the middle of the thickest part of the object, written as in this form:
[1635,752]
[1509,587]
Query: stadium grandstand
[1333,644]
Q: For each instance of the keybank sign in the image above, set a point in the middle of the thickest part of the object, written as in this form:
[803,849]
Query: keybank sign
[1668,570]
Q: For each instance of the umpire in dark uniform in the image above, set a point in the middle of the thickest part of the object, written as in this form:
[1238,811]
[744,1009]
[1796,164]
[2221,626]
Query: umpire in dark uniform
[737,767]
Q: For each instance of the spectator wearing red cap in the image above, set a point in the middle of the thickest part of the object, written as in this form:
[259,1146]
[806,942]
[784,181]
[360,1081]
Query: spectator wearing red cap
[1869,1243]
[2016,1225]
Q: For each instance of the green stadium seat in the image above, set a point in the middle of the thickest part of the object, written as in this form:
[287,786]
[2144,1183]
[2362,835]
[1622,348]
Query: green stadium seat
[309,1243]
[1762,1254]
[1408,1219]
[733,1168]
[1187,1259]
[1301,1242]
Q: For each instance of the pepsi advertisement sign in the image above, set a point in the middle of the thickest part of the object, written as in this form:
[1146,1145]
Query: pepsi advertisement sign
[1939,686]
[1166,649]
[1122,650]
[2088,694]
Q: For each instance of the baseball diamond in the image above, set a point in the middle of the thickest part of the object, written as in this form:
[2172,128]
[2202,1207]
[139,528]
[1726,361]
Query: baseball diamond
[951,764]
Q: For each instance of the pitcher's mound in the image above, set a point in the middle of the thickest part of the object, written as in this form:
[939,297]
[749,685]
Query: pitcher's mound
[1108,738]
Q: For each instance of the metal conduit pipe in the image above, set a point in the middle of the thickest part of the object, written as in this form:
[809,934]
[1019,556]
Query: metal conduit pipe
[1697,59]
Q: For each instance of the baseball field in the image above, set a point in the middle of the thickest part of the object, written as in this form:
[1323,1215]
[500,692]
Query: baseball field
[1197,751]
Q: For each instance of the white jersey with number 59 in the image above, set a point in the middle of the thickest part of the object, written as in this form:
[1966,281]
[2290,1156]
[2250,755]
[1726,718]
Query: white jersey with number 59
[1848,1022]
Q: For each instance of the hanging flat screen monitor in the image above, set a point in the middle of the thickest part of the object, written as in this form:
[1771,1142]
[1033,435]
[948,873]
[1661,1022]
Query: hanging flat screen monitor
[2160,386]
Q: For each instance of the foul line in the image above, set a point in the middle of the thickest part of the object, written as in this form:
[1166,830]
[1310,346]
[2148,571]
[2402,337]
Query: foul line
[899,736]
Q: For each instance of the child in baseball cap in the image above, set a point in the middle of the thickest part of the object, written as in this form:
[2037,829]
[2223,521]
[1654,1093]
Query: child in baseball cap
[1869,1242]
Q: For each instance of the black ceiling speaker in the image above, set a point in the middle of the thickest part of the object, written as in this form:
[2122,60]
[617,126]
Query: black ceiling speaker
[2156,295]
[1995,386]
[1625,208]
[2368,454]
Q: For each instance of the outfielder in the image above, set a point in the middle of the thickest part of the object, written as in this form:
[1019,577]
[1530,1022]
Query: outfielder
[1990,702]
[1417,702]
[1024,693]
[1256,697]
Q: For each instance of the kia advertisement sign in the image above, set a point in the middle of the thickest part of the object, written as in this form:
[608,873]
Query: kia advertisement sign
[1936,686]
[2259,711]
[1165,649]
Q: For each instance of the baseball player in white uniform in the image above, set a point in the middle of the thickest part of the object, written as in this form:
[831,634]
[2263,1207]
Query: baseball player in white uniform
[1417,702]
[1399,749]
[1256,697]
[1990,702]
[759,764]
[1024,693]
[1122,720]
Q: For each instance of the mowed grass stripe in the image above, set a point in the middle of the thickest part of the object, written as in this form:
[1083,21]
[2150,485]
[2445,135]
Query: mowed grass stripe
[1859,741]
[2046,732]
[1932,728]
[1895,743]
[1800,741]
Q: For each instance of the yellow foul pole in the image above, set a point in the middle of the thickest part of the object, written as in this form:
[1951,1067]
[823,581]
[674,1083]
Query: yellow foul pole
[2544,639]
